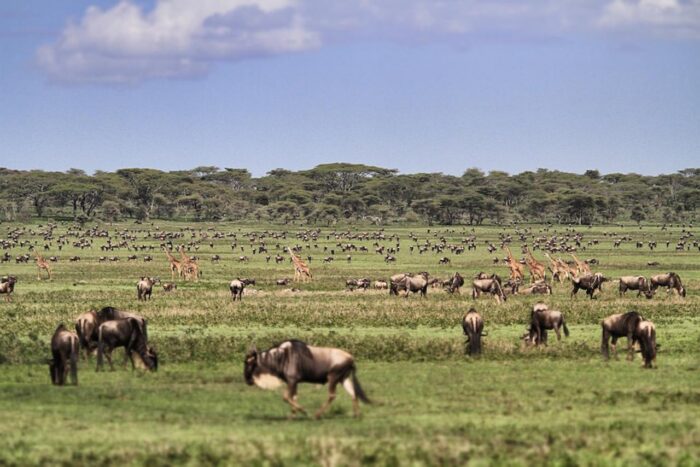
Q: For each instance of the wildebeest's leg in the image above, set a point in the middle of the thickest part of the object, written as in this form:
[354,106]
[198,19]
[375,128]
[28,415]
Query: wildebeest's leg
[74,356]
[290,396]
[604,344]
[332,382]
[108,354]
[630,347]
[350,389]
[613,345]
[557,330]
[573,292]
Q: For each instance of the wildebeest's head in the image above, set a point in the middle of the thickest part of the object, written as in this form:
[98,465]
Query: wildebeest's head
[250,365]
[151,359]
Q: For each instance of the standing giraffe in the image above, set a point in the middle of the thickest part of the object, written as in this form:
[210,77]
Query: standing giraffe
[517,272]
[582,266]
[537,269]
[301,269]
[41,263]
[190,268]
[175,265]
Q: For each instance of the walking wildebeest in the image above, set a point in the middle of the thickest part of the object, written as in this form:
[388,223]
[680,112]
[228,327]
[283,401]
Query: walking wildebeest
[620,325]
[590,283]
[144,287]
[646,336]
[129,333]
[7,286]
[294,362]
[670,280]
[491,285]
[638,283]
[542,319]
[64,352]
[473,327]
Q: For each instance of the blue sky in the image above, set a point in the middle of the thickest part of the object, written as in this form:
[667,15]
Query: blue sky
[418,86]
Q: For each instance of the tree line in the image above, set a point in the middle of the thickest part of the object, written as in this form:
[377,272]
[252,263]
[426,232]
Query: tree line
[338,192]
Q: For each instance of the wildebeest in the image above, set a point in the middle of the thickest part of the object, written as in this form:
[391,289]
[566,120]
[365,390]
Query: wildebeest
[620,325]
[144,287]
[590,283]
[539,287]
[418,283]
[473,327]
[454,283]
[169,287]
[64,351]
[87,324]
[396,282]
[236,287]
[491,285]
[294,362]
[646,336]
[284,281]
[638,283]
[129,333]
[670,280]
[363,283]
[380,285]
[7,286]
[543,319]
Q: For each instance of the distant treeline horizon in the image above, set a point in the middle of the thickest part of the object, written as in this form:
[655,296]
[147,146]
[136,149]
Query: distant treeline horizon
[343,192]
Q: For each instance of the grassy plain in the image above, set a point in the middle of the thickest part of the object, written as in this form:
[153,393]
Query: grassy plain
[432,405]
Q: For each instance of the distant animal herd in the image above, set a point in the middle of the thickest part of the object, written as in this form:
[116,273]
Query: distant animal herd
[293,361]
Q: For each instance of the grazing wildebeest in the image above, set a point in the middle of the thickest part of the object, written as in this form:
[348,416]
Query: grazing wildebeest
[670,280]
[638,283]
[7,286]
[646,336]
[294,362]
[418,283]
[169,286]
[473,327]
[74,259]
[64,351]
[144,287]
[129,333]
[542,319]
[491,285]
[590,283]
[620,325]
[454,283]
[444,260]
[284,281]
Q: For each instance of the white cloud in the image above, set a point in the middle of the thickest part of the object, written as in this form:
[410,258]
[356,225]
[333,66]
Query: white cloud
[667,17]
[178,38]
[184,38]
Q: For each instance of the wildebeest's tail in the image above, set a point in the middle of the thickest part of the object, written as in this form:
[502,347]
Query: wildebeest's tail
[100,350]
[475,343]
[566,330]
[359,392]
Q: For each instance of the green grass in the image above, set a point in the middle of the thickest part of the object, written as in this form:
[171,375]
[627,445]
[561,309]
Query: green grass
[557,405]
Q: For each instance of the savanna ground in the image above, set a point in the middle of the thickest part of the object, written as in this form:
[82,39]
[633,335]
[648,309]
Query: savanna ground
[431,404]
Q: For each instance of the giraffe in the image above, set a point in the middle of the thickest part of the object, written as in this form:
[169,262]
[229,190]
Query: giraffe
[517,272]
[41,263]
[190,268]
[301,269]
[175,265]
[560,270]
[581,266]
[537,269]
